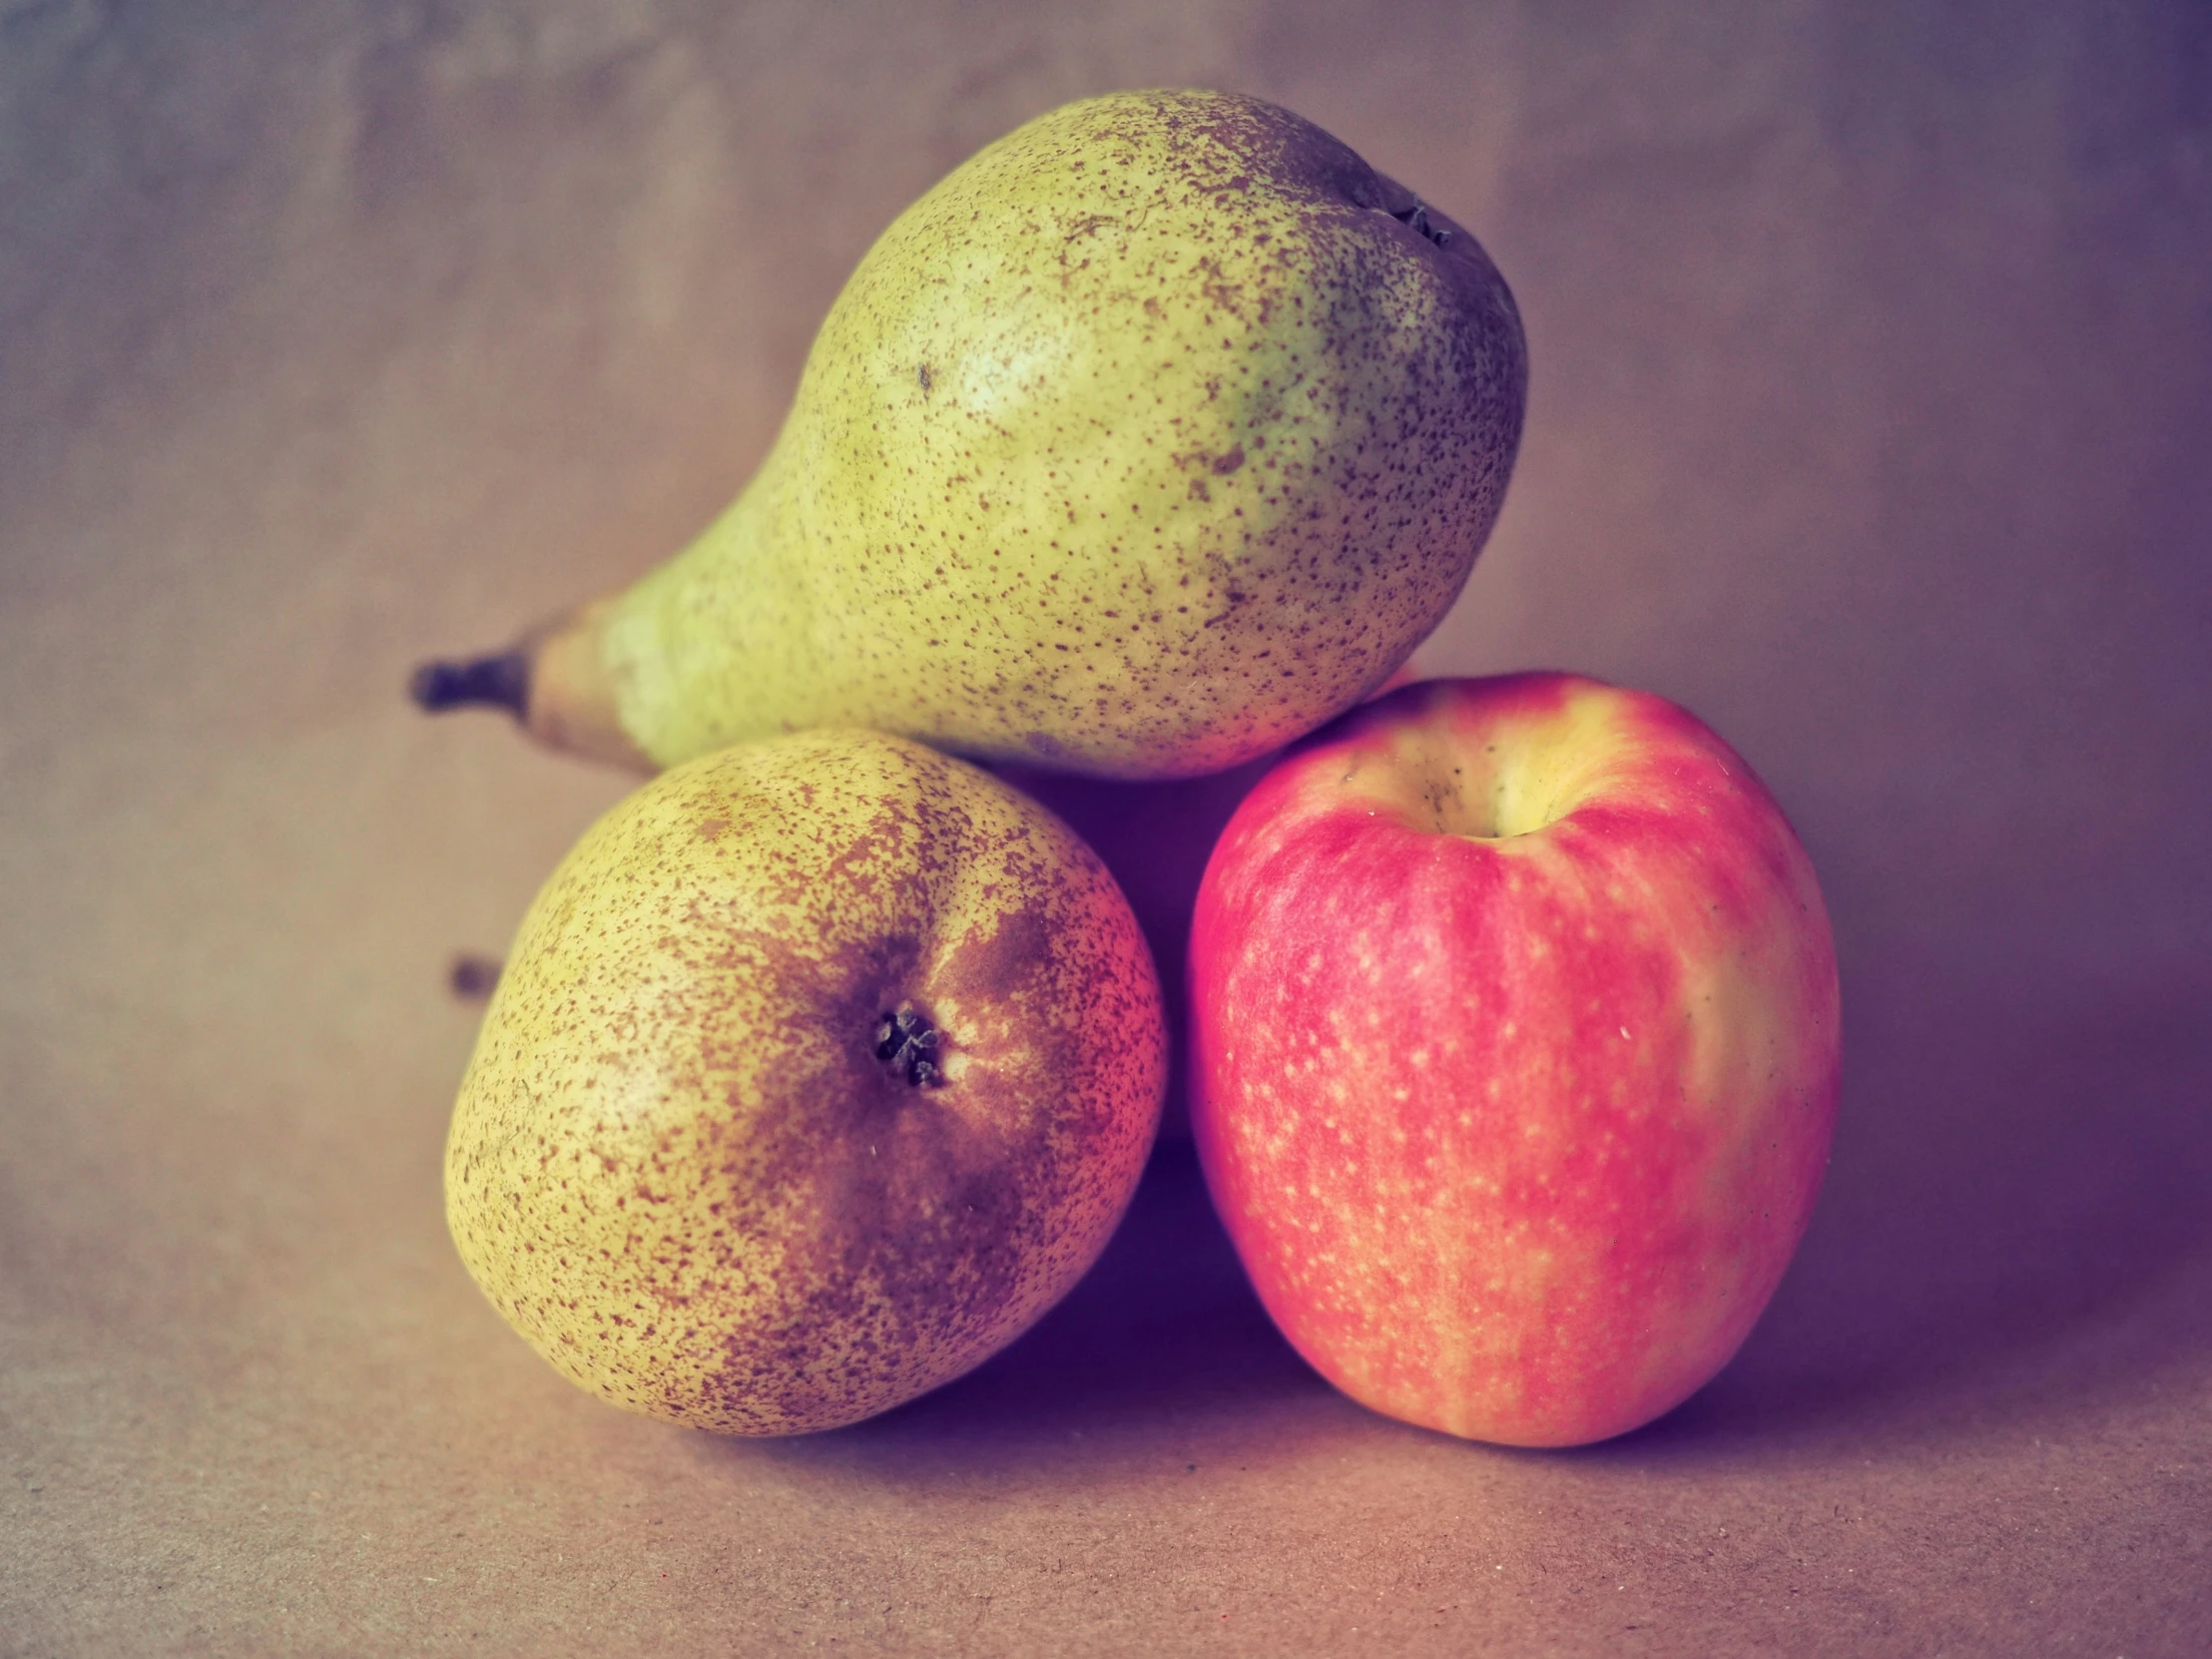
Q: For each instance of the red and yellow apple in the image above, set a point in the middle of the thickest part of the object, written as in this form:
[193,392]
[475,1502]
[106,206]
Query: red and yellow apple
[1514,1053]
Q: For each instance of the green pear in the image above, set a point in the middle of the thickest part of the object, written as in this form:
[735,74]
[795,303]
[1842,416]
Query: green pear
[819,1070]
[1159,432]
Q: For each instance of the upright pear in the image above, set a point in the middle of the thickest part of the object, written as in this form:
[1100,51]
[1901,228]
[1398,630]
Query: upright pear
[1156,434]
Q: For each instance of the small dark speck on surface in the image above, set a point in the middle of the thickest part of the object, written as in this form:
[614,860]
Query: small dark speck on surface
[473,975]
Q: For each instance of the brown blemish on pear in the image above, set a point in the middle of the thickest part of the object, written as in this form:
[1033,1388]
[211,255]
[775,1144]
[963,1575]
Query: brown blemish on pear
[681,1166]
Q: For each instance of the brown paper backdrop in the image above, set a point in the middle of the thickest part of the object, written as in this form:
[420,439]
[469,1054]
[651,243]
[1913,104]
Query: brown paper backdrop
[1871,418]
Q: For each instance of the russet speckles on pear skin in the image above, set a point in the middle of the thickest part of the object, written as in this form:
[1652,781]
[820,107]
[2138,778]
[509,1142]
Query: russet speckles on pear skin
[1157,434]
[695,1161]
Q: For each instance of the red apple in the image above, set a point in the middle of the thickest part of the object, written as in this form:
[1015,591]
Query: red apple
[1514,1053]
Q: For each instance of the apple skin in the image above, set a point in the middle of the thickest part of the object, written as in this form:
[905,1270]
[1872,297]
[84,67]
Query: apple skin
[1515,1046]
[819,1070]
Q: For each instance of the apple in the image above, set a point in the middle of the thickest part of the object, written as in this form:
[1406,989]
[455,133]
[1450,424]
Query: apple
[819,1070]
[1514,1053]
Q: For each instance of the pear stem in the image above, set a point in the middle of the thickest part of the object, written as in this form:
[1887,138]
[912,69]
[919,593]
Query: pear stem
[497,680]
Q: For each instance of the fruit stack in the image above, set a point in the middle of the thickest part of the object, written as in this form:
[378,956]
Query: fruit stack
[1145,446]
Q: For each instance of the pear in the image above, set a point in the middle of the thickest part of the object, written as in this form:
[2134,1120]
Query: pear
[1156,434]
[819,1070]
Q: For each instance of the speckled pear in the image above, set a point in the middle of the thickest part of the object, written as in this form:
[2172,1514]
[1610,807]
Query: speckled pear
[1156,434]
[819,1070]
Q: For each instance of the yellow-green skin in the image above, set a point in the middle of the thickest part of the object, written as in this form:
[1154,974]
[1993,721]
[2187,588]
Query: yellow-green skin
[1142,444]
[678,1164]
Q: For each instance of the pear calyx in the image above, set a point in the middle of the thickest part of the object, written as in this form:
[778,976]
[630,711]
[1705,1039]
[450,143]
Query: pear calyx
[907,1039]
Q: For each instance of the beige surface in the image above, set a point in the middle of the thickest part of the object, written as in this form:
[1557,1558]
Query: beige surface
[1872,390]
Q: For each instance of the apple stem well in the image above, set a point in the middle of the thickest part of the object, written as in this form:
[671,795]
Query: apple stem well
[909,1041]
[1496,799]
[497,680]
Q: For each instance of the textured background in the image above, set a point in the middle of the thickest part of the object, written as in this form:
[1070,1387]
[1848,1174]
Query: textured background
[1872,412]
